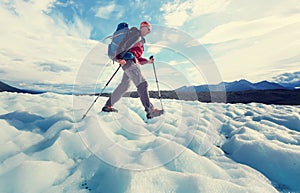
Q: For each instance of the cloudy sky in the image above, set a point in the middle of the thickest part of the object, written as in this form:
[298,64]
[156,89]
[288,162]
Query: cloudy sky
[58,42]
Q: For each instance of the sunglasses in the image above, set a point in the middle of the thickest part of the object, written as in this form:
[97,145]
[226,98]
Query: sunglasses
[149,29]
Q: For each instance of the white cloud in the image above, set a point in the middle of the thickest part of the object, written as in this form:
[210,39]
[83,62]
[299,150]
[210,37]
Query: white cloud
[293,77]
[253,42]
[247,29]
[176,13]
[247,39]
[259,57]
[106,12]
[31,37]
[79,29]
[153,49]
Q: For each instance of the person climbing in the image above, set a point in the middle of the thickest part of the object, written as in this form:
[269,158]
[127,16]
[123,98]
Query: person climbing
[129,56]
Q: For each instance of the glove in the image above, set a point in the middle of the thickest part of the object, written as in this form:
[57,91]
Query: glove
[151,59]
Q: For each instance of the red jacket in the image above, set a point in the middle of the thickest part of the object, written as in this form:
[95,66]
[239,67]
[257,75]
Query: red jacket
[137,50]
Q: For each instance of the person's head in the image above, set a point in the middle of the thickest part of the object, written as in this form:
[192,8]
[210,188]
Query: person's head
[145,28]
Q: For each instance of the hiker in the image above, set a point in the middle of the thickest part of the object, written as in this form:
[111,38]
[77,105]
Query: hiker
[129,56]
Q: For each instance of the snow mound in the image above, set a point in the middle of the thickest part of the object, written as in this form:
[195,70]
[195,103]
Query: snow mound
[193,147]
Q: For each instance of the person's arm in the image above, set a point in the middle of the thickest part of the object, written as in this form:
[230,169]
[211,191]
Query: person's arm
[143,61]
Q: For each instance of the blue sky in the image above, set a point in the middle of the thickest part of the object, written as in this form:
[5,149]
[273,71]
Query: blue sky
[48,42]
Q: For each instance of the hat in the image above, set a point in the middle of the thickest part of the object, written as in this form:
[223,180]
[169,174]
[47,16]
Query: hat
[145,23]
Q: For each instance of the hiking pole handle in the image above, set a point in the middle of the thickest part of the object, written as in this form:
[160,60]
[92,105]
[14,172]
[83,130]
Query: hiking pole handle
[151,59]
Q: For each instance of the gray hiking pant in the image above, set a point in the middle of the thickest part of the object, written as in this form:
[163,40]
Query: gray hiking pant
[132,73]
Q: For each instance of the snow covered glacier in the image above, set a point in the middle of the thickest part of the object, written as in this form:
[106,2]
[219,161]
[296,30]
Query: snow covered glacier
[195,147]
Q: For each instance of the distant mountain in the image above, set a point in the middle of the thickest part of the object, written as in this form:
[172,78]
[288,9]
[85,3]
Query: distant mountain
[8,88]
[291,80]
[5,87]
[241,85]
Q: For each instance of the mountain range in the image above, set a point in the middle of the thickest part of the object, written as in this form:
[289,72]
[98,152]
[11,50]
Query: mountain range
[241,91]
[8,88]
[241,85]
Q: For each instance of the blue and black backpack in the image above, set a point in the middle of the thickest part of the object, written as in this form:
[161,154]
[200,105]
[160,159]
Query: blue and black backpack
[117,38]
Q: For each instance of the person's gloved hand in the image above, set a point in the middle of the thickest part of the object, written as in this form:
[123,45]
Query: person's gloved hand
[151,59]
[122,62]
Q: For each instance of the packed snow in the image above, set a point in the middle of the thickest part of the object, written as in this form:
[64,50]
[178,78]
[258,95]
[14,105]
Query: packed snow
[194,147]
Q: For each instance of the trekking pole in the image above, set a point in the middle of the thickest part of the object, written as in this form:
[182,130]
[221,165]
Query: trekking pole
[159,95]
[101,92]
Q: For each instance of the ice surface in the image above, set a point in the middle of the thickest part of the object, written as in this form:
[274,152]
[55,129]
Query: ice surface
[193,147]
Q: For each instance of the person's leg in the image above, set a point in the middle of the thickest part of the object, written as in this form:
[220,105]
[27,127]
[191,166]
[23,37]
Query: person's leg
[142,89]
[134,73]
[119,91]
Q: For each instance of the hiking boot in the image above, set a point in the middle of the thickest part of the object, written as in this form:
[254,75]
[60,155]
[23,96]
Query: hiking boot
[154,113]
[109,109]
